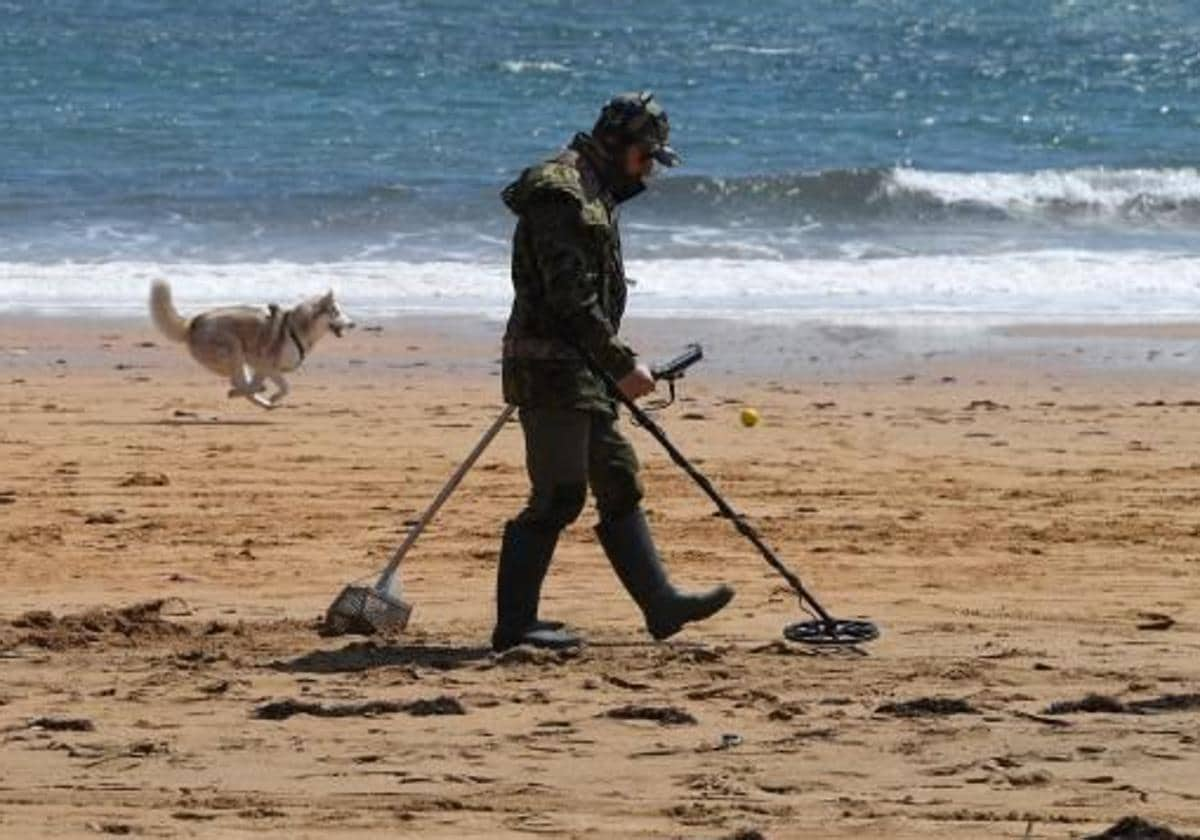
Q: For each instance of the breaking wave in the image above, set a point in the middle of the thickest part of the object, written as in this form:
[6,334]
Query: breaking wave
[1170,196]
[1014,287]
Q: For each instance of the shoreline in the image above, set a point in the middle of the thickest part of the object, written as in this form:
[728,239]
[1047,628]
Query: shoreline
[799,351]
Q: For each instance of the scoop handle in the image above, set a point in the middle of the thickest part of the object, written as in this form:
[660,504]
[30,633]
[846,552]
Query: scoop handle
[384,584]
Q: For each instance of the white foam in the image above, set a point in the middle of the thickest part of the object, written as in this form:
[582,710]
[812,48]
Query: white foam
[1027,286]
[1102,190]
[123,286]
[750,49]
[534,67]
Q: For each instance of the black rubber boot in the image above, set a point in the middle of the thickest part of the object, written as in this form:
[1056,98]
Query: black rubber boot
[524,559]
[630,549]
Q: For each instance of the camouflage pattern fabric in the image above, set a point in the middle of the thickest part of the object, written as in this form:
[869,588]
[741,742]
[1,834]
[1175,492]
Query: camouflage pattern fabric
[567,451]
[568,281]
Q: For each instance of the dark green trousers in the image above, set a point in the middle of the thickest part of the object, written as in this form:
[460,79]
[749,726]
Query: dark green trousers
[568,450]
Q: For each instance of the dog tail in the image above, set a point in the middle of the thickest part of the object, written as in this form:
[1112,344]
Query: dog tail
[169,322]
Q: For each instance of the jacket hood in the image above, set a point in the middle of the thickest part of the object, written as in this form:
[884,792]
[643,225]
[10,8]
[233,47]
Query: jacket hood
[582,171]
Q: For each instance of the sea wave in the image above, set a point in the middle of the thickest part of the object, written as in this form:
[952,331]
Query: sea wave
[865,192]
[855,213]
[514,66]
[1030,286]
[1169,195]
[752,49]
[1099,191]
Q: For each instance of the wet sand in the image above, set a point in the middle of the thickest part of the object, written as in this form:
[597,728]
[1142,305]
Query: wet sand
[1018,510]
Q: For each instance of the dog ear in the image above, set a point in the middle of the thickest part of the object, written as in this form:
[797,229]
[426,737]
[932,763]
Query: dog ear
[327,298]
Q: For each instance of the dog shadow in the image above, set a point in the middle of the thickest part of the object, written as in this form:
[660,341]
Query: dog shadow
[200,421]
[212,421]
[367,656]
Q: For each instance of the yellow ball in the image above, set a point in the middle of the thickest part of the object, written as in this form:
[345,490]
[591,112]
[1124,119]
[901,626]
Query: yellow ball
[750,417]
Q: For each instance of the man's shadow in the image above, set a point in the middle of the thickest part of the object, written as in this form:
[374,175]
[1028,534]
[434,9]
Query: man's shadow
[367,656]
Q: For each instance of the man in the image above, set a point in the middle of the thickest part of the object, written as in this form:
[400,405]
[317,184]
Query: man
[570,289]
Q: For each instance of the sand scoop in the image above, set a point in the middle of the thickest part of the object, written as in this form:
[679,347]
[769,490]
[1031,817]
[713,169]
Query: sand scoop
[366,609]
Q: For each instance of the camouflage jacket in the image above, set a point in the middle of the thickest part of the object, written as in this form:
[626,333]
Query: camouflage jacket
[569,282]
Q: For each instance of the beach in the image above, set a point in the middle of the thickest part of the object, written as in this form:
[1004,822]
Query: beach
[949,253]
[1016,508]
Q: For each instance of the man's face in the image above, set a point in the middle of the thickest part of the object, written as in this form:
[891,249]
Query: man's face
[638,162]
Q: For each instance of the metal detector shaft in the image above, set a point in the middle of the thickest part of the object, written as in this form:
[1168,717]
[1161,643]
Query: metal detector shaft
[744,528]
[385,578]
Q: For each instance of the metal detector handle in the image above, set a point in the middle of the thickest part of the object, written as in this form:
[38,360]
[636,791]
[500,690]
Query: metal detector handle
[674,369]
[385,578]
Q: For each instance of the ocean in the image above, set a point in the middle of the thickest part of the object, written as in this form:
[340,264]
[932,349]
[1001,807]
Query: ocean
[897,161]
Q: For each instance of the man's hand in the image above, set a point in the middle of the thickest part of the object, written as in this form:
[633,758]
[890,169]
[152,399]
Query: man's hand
[637,383]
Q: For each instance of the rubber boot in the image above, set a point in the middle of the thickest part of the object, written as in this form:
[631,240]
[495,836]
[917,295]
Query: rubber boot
[630,549]
[524,559]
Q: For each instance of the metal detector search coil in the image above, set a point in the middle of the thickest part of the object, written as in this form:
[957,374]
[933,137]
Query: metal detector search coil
[835,632]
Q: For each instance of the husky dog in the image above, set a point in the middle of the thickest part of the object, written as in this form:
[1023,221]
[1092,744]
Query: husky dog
[250,345]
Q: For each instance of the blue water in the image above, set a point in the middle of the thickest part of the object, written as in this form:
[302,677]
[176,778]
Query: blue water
[311,132]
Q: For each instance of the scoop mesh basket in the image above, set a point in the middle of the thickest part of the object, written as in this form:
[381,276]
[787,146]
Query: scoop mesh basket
[365,611]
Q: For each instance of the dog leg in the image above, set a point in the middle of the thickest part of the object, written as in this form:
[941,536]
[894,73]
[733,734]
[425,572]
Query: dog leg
[281,388]
[243,386]
[254,385]
[249,388]
[257,386]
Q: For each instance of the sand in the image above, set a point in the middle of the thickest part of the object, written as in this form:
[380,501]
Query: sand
[1018,510]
